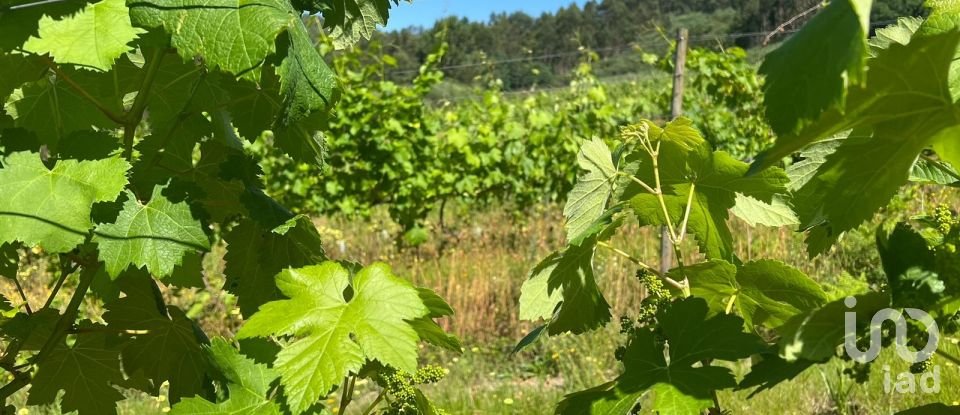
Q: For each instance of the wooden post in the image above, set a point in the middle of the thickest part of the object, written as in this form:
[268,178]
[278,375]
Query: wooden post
[676,110]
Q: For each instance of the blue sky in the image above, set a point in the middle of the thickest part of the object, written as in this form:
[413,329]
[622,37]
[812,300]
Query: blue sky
[425,12]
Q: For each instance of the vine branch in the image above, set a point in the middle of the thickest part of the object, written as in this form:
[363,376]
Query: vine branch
[953,359]
[117,118]
[790,21]
[347,395]
[23,295]
[135,115]
[375,402]
[670,281]
[686,214]
[66,271]
[66,321]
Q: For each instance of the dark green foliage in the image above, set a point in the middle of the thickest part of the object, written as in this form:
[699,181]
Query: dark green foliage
[123,162]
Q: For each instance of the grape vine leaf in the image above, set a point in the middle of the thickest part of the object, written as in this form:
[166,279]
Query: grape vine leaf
[910,266]
[9,259]
[813,156]
[337,332]
[241,47]
[900,32]
[352,20]
[928,172]
[16,26]
[770,371]
[938,408]
[93,38]
[307,83]
[181,89]
[17,70]
[239,44]
[88,145]
[603,399]
[777,213]
[263,105]
[255,255]
[823,86]
[165,344]
[52,110]
[947,147]
[678,386]
[51,207]
[156,235]
[563,290]
[714,177]
[588,199]
[866,172]
[31,330]
[248,383]
[85,371]
[763,292]
[427,329]
[815,334]
[797,91]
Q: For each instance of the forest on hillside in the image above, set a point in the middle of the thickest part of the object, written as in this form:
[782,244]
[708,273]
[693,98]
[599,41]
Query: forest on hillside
[524,50]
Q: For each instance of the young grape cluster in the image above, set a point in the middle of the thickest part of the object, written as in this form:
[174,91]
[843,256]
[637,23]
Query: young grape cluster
[656,301]
[402,388]
[658,297]
[921,367]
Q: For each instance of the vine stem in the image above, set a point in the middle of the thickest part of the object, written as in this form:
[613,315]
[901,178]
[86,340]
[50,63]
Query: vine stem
[672,282]
[23,295]
[655,156]
[22,379]
[730,304]
[686,214]
[347,395]
[135,115]
[954,359]
[66,271]
[642,184]
[117,118]
[376,402]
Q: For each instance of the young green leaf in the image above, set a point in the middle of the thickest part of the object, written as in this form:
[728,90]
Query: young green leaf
[588,199]
[338,325]
[93,38]
[776,213]
[715,178]
[51,207]
[563,290]
[762,292]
